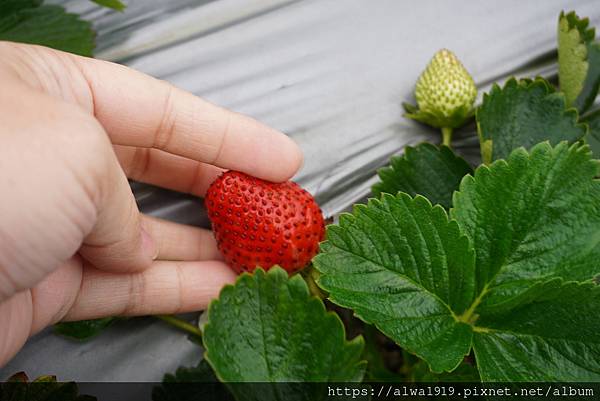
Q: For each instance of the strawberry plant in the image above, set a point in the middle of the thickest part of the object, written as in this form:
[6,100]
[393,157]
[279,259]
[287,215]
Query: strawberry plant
[32,21]
[44,388]
[493,265]
[578,61]
[504,275]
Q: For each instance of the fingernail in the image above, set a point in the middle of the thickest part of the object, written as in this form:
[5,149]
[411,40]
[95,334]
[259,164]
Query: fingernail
[148,244]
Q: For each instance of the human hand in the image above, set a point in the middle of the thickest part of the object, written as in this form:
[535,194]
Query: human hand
[73,244]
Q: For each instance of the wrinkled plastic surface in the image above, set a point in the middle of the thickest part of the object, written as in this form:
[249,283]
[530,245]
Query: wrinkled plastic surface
[332,74]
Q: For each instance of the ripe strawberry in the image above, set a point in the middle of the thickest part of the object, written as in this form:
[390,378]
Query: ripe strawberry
[260,223]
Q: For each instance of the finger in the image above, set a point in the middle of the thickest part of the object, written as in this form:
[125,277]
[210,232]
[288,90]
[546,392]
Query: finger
[118,241]
[156,167]
[54,296]
[180,242]
[137,110]
[78,291]
[15,315]
[165,287]
[29,311]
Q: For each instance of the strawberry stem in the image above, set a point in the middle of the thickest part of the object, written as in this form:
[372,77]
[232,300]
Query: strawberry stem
[310,275]
[446,136]
[180,324]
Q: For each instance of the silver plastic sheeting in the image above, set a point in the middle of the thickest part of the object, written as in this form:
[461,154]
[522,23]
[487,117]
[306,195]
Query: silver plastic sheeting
[332,74]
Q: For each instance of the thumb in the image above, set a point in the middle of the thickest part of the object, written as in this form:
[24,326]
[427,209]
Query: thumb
[118,240]
[64,192]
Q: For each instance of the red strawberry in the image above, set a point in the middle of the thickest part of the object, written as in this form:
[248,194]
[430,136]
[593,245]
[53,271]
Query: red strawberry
[260,223]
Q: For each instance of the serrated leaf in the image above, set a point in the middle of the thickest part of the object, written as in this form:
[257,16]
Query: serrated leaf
[401,265]
[532,217]
[46,25]
[552,338]
[465,372]
[191,384]
[593,136]
[267,328]
[542,226]
[524,113]
[427,170]
[461,117]
[534,222]
[409,108]
[114,4]
[44,388]
[578,61]
[83,329]
[11,6]
[377,370]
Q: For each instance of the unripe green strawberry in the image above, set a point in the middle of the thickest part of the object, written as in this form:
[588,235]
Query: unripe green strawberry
[445,95]
[260,223]
[445,87]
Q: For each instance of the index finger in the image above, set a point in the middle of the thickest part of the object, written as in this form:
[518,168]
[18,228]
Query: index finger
[138,110]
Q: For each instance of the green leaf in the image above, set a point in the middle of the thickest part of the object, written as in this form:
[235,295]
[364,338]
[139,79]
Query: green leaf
[593,136]
[191,384]
[434,172]
[48,25]
[401,265]
[534,221]
[578,61]
[44,388]
[551,338]
[11,6]
[461,117]
[267,328]
[114,4]
[524,113]
[83,329]
[409,108]
[465,372]
[376,359]
[532,217]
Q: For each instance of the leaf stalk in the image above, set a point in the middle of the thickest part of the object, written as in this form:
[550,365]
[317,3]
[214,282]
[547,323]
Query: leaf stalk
[180,324]
[469,316]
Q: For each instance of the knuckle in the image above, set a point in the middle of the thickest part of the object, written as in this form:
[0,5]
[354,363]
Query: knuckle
[140,163]
[168,121]
[137,290]
[221,139]
[179,288]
